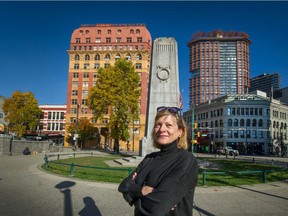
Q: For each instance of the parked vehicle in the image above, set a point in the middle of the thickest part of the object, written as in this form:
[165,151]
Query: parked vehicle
[227,151]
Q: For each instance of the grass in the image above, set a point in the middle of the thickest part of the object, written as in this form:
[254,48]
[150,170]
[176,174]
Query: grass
[233,179]
[105,173]
[102,172]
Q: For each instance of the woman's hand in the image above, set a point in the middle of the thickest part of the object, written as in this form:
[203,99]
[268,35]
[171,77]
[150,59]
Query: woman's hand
[147,190]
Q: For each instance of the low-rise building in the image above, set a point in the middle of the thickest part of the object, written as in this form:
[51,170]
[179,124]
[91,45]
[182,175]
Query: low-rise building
[250,123]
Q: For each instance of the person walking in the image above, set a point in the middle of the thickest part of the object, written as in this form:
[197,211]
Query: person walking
[164,182]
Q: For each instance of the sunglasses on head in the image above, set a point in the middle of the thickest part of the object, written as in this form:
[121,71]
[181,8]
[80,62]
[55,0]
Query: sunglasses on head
[170,109]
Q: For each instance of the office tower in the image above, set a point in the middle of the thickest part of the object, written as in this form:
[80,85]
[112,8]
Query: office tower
[219,64]
[265,82]
[100,45]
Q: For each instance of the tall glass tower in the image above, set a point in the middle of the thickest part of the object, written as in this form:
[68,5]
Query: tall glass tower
[219,64]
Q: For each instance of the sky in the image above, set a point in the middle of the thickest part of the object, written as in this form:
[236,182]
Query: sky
[35,37]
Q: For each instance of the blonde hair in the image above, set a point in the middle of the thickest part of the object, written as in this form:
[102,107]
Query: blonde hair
[182,141]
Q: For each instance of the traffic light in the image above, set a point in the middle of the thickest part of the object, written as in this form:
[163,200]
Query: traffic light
[195,125]
[198,134]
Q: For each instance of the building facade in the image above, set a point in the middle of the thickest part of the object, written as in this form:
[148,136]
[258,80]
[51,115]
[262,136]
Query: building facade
[100,45]
[219,64]
[252,124]
[3,123]
[52,122]
[266,82]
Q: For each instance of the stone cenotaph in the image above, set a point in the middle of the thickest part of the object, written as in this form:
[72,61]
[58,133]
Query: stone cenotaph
[163,86]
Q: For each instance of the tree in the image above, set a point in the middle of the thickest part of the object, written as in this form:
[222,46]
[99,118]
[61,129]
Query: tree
[22,112]
[117,91]
[86,131]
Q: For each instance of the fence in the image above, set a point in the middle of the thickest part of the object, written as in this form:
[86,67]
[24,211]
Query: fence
[72,165]
[262,172]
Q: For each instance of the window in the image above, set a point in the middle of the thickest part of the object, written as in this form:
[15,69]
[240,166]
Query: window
[74,101]
[85,84]
[128,57]
[74,92]
[136,131]
[138,65]
[106,65]
[107,57]
[248,122]
[117,56]
[86,75]
[105,121]
[96,65]
[98,31]
[87,57]
[86,66]
[119,31]
[84,101]
[118,40]
[229,122]
[108,31]
[75,75]
[76,66]
[236,122]
[108,40]
[129,39]
[97,57]
[131,31]
[138,57]
[137,31]
[88,40]
[77,57]
[139,39]
[78,40]
[136,121]
[254,123]
[98,40]
[85,93]
[75,84]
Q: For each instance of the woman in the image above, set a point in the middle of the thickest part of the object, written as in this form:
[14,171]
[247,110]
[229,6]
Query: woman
[164,182]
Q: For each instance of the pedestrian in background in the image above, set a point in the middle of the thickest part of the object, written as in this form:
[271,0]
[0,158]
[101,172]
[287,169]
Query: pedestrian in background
[164,182]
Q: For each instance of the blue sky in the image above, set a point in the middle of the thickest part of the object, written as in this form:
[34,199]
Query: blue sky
[35,37]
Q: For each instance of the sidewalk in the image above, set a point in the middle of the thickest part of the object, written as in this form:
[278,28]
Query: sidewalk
[27,190]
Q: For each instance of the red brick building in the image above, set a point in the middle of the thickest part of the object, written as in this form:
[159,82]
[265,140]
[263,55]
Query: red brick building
[95,46]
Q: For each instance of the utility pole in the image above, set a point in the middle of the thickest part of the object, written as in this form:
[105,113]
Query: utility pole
[76,131]
[192,129]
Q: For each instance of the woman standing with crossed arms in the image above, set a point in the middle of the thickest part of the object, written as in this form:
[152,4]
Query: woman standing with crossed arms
[164,182]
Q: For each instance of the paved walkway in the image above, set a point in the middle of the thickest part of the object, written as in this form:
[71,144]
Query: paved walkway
[27,190]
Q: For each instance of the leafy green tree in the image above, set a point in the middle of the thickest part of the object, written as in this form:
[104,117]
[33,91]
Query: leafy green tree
[22,112]
[86,131]
[117,91]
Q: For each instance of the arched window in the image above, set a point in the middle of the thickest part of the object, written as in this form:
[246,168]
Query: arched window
[119,31]
[236,122]
[77,57]
[229,122]
[137,31]
[128,57]
[107,57]
[254,123]
[97,57]
[221,123]
[138,56]
[87,57]
[260,123]
[117,56]
[108,31]
[248,122]
[211,124]
[242,122]
[131,31]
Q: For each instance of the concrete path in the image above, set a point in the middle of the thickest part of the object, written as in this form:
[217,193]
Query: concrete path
[27,190]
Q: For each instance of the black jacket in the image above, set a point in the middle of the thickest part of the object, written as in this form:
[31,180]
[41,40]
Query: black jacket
[173,172]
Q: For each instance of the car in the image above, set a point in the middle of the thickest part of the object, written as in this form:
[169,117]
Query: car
[227,151]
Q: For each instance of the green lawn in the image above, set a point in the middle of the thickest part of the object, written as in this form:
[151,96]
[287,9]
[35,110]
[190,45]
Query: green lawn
[97,170]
